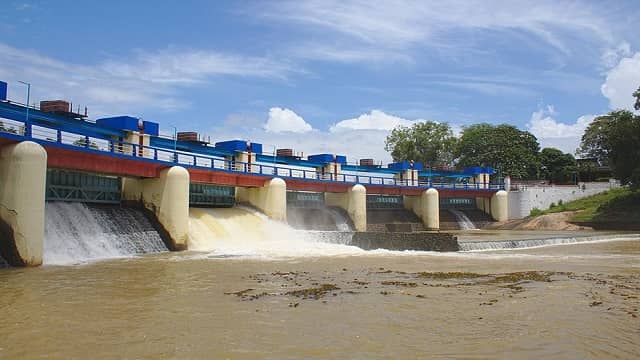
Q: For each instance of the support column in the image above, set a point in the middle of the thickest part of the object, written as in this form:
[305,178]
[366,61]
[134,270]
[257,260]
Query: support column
[354,201]
[499,206]
[271,198]
[408,177]
[167,199]
[23,176]
[413,203]
[431,209]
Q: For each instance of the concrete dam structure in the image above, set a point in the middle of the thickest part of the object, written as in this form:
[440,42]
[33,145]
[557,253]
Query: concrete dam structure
[48,158]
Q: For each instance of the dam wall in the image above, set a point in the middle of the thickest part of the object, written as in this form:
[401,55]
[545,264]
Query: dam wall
[402,241]
[526,198]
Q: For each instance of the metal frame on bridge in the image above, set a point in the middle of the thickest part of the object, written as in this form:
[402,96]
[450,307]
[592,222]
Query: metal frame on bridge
[78,145]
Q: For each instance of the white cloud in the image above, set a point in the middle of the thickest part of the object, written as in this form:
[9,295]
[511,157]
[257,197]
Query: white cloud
[552,133]
[621,82]
[395,28]
[375,120]
[145,79]
[285,120]
[612,56]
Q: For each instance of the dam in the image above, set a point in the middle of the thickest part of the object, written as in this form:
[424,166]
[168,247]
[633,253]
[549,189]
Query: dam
[57,156]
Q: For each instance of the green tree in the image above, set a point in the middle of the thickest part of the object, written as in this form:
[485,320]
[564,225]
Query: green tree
[556,166]
[427,142]
[503,147]
[614,139]
[636,95]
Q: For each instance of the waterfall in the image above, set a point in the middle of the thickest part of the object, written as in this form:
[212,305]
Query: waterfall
[529,243]
[463,221]
[318,219]
[76,232]
[342,222]
[241,231]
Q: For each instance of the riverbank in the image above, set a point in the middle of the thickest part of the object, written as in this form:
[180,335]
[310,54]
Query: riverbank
[616,209]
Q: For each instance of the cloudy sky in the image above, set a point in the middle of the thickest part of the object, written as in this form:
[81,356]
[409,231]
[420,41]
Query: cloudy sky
[328,76]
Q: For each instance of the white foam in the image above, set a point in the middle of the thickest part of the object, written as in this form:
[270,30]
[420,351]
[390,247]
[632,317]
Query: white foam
[76,233]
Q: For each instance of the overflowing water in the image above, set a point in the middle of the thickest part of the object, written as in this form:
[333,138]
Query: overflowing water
[463,220]
[318,218]
[243,231]
[533,243]
[342,222]
[76,233]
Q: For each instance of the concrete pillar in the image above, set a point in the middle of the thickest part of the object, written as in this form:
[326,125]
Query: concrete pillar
[167,198]
[413,203]
[240,160]
[354,201]
[329,171]
[431,209]
[23,177]
[507,183]
[407,177]
[271,198]
[499,206]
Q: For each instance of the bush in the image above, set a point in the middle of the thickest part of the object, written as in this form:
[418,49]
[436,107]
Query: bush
[535,212]
[552,205]
[560,202]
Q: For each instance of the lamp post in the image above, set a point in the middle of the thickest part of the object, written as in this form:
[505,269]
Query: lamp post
[175,144]
[27,126]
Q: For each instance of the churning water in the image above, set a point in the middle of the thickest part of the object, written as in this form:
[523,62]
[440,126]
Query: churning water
[464,223]
[75,233]
[246,232]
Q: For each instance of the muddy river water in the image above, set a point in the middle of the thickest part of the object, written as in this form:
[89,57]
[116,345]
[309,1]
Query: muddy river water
[578,301]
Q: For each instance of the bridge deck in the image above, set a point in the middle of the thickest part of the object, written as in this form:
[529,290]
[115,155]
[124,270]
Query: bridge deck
[77,151]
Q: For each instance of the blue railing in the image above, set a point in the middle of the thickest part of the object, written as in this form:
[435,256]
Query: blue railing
[81,142]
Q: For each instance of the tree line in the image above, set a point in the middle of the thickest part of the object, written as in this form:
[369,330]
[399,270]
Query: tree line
[611,140]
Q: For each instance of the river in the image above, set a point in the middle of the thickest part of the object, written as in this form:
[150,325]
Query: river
[578,301]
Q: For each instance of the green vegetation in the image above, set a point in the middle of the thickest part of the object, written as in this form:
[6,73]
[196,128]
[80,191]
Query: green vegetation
[613,139]
[620,205]
[505,147]
[430,143]
[556,166]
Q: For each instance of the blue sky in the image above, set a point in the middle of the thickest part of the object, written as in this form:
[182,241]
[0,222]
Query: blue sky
[328,76]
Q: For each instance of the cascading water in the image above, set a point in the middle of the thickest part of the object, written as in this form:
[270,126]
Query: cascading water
[75,233]
[342,222]
[318,218]
[463,220]
[246,232]
[530,243]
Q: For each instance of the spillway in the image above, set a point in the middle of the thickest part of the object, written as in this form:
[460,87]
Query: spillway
[243,231]
[76,233]
[319,219]
[532,243]
[464,223]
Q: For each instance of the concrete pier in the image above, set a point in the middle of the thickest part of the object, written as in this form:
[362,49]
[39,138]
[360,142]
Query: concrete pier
[354,202]
[426,207]
[499,206]
[23,174]
[166,198]
[271,198]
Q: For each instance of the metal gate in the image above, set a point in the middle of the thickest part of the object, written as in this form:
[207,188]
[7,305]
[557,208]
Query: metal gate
[305,199]
[63,185]
[211,195]
[457,203]
[385,202]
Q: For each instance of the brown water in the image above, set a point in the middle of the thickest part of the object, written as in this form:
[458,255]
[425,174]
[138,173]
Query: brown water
[576,301]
